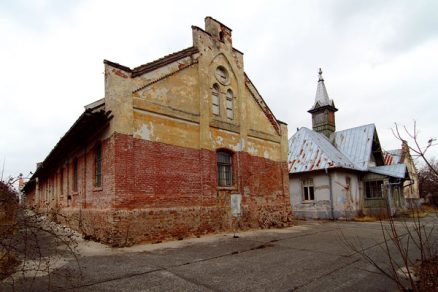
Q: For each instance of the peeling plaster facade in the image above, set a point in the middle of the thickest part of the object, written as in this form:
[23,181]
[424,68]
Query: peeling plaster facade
[347,199]
[160,171]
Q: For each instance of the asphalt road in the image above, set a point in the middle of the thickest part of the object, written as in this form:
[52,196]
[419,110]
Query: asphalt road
[311,256]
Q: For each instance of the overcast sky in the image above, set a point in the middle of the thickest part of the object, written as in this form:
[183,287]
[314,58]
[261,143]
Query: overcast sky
[380,60]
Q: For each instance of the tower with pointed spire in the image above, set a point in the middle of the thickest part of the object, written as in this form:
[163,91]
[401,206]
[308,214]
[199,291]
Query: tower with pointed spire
[323,110]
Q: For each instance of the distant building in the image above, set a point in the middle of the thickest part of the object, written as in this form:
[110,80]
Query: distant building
[403,155]
[334,174]
[181,146]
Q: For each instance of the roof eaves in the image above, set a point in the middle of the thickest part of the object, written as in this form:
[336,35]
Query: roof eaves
[95,105]
[319,170]
[394,170]
[118,66]
[83,119]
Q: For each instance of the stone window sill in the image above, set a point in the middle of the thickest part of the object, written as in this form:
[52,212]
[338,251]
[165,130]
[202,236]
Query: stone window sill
[232,188]
[97,189]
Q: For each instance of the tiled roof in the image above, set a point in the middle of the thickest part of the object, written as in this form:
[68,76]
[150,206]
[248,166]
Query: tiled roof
[310,150]
[140,70]
[148,67]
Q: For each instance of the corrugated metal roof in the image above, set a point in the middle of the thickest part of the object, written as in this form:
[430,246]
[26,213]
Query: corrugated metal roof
[310,150]
[395,170]
[356,144]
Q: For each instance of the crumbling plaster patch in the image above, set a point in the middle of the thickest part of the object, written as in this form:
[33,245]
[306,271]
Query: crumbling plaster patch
[146,131]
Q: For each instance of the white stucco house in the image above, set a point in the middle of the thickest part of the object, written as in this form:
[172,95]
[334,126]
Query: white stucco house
[341,174]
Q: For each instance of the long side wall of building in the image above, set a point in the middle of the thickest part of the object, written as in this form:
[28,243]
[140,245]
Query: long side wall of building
[85,207]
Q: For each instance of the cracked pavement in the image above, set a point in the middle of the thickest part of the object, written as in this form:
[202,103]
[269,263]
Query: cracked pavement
[311,256]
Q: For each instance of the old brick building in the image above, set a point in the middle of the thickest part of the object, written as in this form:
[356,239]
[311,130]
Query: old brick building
[181,146]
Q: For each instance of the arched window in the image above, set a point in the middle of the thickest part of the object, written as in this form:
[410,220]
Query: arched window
[215,107]
[98,166]
[230,114]
[224,169]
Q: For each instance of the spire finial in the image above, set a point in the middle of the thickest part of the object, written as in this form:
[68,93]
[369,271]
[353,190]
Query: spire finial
[320,75]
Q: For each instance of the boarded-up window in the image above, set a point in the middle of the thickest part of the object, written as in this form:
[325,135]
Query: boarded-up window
[98,166]
[230,114]
[308,190]
[224,169]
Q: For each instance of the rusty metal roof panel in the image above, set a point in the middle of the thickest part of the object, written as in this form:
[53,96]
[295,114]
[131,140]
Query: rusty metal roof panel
[356,144]
[310,150]
[393,156]
[395,170]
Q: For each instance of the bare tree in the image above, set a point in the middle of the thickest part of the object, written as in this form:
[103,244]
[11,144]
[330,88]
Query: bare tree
[409,243]
[418,148]
[31,246]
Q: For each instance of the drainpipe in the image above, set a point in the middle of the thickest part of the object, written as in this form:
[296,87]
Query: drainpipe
[331,193]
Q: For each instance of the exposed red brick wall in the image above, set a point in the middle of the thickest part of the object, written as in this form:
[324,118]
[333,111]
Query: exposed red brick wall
[165,191]
[56,190]
[153,191]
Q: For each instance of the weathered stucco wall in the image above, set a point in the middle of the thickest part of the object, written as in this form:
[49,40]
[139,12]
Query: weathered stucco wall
[346,199]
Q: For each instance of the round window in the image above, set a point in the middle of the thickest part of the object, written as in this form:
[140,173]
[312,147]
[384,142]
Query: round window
[222,75]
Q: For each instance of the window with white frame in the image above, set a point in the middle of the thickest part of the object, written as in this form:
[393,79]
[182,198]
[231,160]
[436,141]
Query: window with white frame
[308,190]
